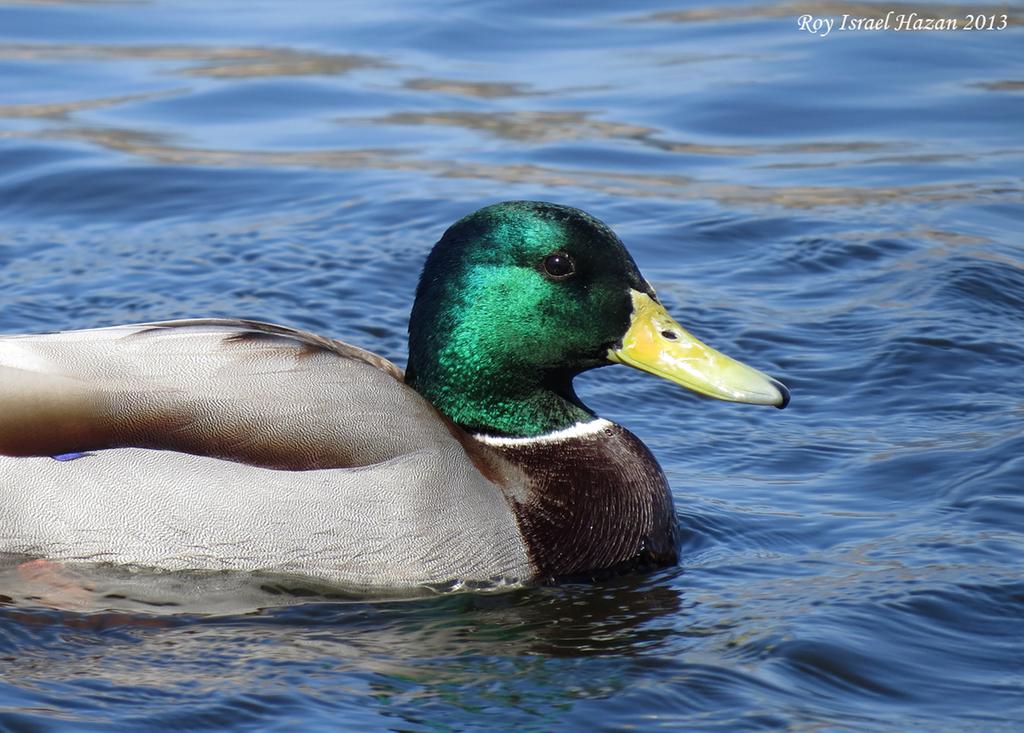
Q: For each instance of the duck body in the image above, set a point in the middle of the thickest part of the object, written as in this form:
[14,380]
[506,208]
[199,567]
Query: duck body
[210,445]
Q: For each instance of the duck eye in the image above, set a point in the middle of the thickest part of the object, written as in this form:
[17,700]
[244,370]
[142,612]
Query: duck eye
[558,266]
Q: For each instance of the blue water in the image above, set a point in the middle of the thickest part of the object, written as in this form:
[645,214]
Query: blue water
[842,212]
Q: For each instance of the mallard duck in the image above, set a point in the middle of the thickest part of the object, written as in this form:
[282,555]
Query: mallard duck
[237,445]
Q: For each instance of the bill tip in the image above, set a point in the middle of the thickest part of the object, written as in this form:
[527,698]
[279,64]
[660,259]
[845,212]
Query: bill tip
[783,393]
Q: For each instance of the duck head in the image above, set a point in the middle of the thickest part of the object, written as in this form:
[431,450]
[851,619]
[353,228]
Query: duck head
[518,298]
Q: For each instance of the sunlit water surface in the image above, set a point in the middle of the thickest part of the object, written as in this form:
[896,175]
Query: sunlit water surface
[842,212]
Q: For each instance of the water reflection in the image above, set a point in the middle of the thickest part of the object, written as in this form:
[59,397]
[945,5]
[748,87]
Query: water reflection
[64,110]
[611,182]
[215,62]
[631,615]
[574,619]
[547,146]
[1005,85]
[542,127]
[535,127]
[481,89]
[527,647]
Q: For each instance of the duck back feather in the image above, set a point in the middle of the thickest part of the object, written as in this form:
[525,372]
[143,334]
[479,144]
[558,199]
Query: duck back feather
[238,390]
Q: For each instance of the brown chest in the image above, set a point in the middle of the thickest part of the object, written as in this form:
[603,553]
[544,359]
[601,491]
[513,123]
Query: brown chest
[591,502]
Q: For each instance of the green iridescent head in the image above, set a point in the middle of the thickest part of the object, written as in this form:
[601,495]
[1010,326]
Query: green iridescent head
[514,301]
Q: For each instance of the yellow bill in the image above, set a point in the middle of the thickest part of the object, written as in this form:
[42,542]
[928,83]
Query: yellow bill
[657,344]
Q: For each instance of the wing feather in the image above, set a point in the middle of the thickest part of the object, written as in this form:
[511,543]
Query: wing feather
[245,391]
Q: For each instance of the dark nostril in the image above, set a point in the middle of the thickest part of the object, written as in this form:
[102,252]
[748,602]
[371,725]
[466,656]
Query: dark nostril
[670,335]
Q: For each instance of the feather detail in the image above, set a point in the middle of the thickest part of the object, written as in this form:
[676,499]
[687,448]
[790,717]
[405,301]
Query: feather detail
[239,390]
